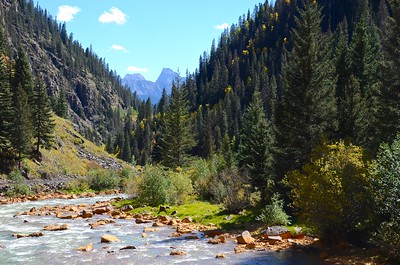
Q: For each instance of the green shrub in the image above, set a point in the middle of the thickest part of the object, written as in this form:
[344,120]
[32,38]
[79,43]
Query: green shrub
[103,179]
[182,188]
[386,179]
[273,213]
[78,185]
[16,176]
[331,193]
[19,187]
[201,172]
[232,189]
[154,186]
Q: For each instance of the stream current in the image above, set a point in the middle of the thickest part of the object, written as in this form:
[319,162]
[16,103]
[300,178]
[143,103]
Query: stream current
[60,247]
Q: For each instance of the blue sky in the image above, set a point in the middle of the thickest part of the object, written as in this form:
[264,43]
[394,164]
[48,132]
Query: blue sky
[145,36]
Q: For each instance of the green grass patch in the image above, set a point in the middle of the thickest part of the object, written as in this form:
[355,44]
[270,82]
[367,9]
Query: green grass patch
[201,212]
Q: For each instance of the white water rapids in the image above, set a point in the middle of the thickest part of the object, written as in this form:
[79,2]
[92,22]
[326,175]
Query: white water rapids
[60,247]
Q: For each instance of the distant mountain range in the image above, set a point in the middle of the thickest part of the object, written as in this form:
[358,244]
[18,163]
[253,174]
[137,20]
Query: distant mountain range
[147,89]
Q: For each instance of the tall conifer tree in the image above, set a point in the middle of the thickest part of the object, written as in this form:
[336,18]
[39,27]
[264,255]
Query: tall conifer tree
[43,124]
[307,111]
[177,138]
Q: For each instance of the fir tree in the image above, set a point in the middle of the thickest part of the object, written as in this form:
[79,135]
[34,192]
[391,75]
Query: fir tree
[6,114]
[23,75]
[176,137]
[256,142]
[307,111]
[389,97]
[43,124]
[61,107]
[21,130]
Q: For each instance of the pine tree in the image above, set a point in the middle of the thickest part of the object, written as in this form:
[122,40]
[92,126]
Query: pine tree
[6,113]
[23,75]
[21,130]
[255,148]
[176,137]
[389,97]
[365,57]
[42,122]
[307,111]
[61,107]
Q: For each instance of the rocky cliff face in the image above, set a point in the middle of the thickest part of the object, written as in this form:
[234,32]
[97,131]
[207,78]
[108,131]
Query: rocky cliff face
[94,93]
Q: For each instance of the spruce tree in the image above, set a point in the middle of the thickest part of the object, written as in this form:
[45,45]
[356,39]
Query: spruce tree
[177,138]
[43,124]
[61,107]
[389,97]
[308,110]
[255,148]
[365,56]
[6,114]
[23,75]
[21,130]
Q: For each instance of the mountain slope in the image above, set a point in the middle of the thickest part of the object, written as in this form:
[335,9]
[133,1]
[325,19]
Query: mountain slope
[94,93]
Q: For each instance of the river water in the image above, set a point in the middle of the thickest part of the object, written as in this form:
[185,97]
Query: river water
[59,247]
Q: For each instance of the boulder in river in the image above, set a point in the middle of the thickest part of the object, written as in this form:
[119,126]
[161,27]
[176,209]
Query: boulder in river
[178,253]
[220,256]
[109,239]
[245,238]
[86,248]
[35,234]
[127,208]
[56,227]
[128,247]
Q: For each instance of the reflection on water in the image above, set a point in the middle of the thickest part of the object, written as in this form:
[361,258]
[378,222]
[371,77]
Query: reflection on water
[59,247]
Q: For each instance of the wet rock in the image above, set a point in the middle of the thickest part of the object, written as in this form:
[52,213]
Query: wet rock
[164,219]
[175,234]
[108,239]
[86,248]
[213,241]
[239,249]
[187,220]
[177,253]
[100,223]
[127,208]
[68,216]
[213,233]
[142,221]
[157,224]
[220,256]
[245,238]
[56,227]
[251,246]
[274,239]
[144,235]
[35,234]
[86,214]
[281,231]
[173,222]
[102,210]
[128,247]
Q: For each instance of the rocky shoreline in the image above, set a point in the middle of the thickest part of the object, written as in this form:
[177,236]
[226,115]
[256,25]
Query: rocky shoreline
[272,239]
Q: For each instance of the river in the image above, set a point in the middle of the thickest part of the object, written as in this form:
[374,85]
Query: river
[59,247]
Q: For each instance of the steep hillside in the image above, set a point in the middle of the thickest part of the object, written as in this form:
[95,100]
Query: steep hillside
[94,93]
[71,154]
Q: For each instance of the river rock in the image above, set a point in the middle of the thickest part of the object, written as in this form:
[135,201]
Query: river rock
[281,231]
[177,253]
[158,224]
[56,227]
[35,234]
[86,248]
[193,237]
[164,219]
[86,214]
[128,247]
[109,239]
[245,238]
[127,208]
[150,229]
[220,256]
[100,223]
[187,220]
[213,233]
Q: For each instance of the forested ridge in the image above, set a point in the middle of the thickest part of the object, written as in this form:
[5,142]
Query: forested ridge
[295,110]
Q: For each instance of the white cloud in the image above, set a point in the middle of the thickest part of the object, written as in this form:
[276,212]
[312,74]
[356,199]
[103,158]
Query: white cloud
[114,15]
[135,69]
[222,26]
[67,13]
[118,48]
